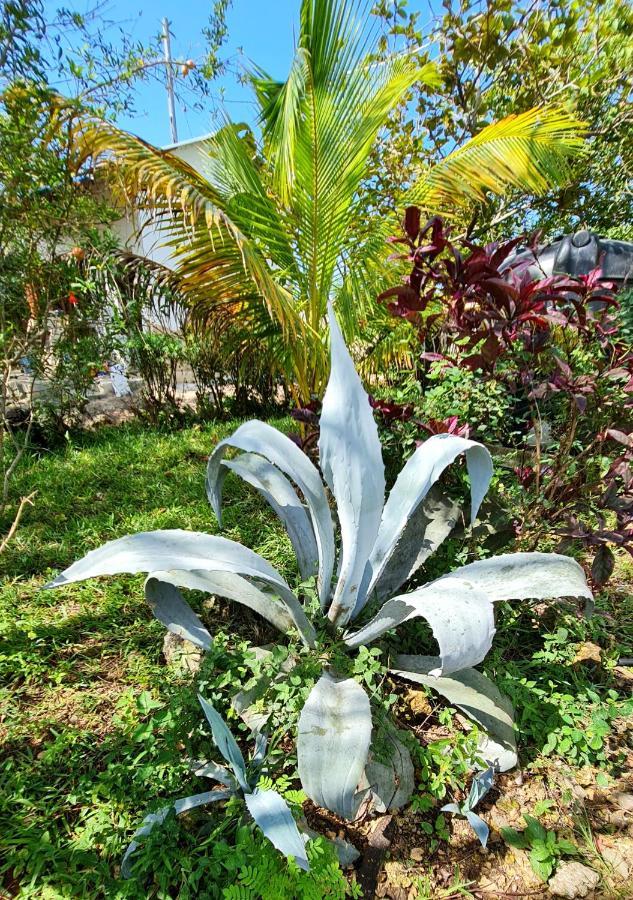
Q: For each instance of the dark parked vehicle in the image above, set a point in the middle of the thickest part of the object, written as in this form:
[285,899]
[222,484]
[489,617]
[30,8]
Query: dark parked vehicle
[578,254]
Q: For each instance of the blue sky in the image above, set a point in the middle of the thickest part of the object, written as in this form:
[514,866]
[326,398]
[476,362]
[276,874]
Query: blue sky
[259,30]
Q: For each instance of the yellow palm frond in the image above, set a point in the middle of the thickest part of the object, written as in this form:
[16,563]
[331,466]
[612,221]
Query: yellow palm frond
[185,206]
[529,151]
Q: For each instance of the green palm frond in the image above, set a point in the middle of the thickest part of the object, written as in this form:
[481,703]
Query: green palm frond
[390,348]
[529,151]
[319,127]
[255,338]
[281,118]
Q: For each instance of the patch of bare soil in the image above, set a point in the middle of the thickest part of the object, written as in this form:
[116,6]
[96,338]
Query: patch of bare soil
[598,820]
[71,707]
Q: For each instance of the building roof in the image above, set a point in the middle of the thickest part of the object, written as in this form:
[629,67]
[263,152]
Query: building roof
[195,140]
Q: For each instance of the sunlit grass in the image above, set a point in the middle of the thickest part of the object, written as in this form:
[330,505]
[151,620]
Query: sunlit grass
[76,778]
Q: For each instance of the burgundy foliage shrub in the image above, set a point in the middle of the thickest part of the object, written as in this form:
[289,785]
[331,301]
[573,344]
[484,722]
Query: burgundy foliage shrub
[553,343]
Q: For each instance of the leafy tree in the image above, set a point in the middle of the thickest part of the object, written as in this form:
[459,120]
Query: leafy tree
[47,232]
[273,230]
[502,56]
[91,58]
[51,302]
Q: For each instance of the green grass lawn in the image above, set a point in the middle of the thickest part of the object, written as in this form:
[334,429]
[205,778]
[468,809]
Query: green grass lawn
[85,749]
[93,725]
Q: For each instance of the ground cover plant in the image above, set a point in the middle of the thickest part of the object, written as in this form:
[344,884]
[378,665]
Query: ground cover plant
[93,722]
[544,845]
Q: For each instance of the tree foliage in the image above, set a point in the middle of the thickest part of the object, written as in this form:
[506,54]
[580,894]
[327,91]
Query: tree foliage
[497,57]
[275,229]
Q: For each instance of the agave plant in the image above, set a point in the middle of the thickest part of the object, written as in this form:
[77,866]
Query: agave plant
[382,544]
[480,786]
[269,810]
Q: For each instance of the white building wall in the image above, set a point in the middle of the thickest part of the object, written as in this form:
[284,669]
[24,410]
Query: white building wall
[143,239]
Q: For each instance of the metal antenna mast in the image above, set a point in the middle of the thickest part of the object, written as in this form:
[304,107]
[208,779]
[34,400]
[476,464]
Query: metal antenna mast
[171,106]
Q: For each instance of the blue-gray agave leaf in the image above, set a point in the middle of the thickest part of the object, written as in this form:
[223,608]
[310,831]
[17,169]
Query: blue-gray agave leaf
[522,576]
[186,557]
[217,772]
[225,742]
[279,493]
[272,815]
[430,524]
[170,608]
[261,745]
[333,740]
[157,818]
[391,782]
[482,783]
[476,696]
[461,618]
[480,786]
[412,485]
[283,613]
[478,826]
[153,551]
[258,437]
[351,461]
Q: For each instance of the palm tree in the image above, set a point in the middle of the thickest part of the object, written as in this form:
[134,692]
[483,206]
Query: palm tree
[274,230]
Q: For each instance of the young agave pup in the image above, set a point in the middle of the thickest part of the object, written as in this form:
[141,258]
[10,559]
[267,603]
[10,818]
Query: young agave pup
[382,544]
[268,808]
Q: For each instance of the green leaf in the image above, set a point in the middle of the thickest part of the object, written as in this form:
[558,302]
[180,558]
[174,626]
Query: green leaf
[515,838]
[543,868]
[567,847]
[541,850]
[543,806]
[534,830]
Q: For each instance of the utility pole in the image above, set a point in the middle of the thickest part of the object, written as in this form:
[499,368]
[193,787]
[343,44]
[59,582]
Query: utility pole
[171,106]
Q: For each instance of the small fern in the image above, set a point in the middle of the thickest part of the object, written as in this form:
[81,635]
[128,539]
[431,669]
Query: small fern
[274,878]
